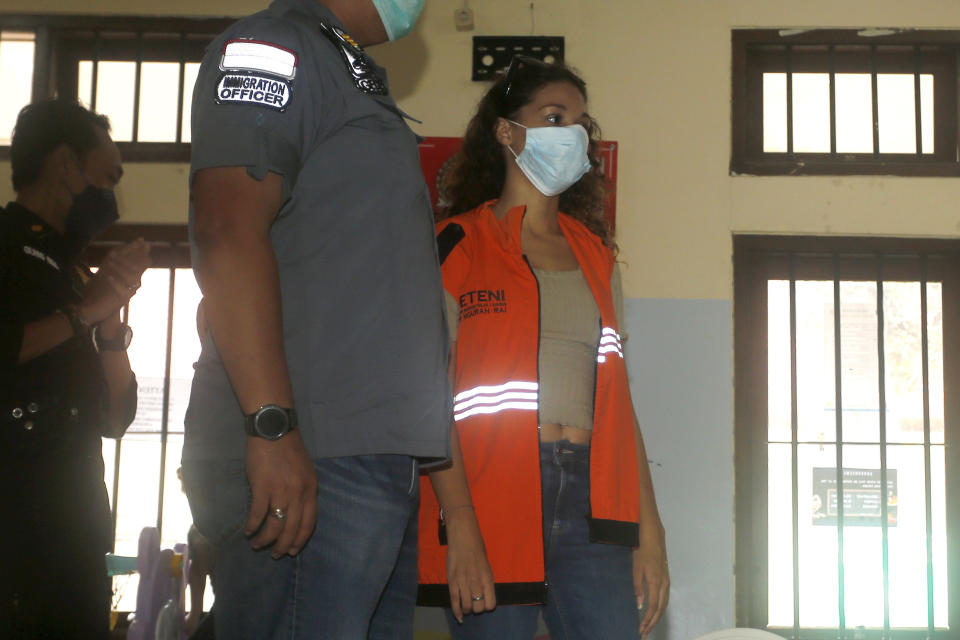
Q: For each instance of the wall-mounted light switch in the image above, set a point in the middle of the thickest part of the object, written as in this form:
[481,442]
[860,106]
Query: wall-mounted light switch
[463,19]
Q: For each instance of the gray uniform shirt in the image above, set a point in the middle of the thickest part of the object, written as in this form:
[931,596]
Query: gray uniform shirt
[286,91]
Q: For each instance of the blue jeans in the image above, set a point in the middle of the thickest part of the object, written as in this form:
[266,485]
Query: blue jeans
[355,579]
[589,585]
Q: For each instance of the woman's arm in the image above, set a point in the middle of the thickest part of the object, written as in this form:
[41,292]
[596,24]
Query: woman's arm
[651,576]
[468,571]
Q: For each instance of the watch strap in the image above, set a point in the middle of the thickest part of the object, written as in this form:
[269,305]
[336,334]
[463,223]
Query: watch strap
[77,322]
[250,421]
[118,343]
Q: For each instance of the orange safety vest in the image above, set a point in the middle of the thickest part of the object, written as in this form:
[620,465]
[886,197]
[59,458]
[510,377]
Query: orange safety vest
[496,405]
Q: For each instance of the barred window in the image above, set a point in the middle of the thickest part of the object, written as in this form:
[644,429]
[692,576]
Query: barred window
[847,397]
[138,71]
[845,102]
[141,468]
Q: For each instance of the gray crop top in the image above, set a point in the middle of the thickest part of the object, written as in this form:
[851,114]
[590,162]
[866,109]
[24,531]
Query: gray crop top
[569,333]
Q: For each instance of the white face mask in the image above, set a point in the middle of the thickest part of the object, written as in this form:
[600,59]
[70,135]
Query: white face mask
[553,158]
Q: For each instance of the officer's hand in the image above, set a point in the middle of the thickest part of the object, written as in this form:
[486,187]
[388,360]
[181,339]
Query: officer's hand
[116,281]
[127,264]
[281,476]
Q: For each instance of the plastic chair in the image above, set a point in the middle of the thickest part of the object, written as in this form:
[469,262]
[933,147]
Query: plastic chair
[740,633]
[161,582]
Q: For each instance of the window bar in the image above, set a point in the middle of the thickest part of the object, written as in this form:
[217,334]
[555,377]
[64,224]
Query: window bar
[115,489]
[928,483]
[875,99]
[180,88]
[838,404]
[884,525]
[136,88]
[94,71]
[833,104]
[916,99]
[789,61]
[165,412]
[40,87]
[793,440]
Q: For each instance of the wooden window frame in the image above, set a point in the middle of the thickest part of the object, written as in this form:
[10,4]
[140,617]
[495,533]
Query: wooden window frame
[756,51]
[758,259]
[63,40]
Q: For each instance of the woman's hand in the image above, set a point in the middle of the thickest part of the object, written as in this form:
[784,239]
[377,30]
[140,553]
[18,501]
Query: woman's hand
[651,579]
[468,572]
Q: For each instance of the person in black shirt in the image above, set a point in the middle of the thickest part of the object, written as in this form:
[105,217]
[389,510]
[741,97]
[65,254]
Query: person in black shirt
[65,378]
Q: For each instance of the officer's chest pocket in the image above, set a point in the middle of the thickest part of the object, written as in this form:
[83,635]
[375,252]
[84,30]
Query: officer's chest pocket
[383,146]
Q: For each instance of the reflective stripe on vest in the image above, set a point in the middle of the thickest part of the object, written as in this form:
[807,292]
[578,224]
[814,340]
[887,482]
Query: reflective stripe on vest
[609,343]
[515,394]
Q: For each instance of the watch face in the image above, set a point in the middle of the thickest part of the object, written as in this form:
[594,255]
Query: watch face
[272,422]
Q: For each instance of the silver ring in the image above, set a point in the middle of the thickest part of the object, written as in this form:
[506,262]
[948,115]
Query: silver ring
[279,514]
[477,598]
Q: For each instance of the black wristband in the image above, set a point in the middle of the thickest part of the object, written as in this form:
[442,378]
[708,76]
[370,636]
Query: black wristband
[118,343]
[80,326]
[270,422]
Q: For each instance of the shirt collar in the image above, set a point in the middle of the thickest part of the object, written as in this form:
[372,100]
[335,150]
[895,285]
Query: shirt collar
[36,231]
[28,218]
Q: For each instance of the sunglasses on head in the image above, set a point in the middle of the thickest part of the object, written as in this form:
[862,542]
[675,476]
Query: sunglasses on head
[518,63]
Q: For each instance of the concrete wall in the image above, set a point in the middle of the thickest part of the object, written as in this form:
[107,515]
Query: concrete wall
[659,74]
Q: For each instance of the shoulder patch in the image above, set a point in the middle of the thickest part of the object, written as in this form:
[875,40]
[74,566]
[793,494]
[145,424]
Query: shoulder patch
[359,65]
[256,72]
[259,56]
[447,239]
[41,256]
[256,89]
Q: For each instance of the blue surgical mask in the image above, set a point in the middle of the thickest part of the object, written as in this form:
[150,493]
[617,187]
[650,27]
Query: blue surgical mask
[398,16]
[553,158]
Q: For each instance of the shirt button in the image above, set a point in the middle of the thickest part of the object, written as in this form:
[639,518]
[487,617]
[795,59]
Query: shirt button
[32,407]
[17,413]
[28,425]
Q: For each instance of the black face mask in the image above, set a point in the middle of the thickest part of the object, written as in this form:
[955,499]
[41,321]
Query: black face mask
[93,210]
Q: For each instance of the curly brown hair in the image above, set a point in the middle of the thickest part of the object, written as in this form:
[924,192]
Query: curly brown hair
[477,173]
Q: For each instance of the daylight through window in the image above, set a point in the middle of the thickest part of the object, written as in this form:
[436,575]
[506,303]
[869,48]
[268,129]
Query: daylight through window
[845,102]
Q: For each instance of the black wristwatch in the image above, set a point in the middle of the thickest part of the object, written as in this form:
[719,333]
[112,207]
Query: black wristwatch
[270,422]
[119,343]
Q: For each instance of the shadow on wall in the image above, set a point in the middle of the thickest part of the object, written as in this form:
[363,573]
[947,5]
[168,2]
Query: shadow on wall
[405,60]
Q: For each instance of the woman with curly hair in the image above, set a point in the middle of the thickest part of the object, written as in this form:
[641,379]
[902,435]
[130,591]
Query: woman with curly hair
[557,501]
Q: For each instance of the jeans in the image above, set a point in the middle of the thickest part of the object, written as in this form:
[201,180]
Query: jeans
[589,585]
[355,579]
